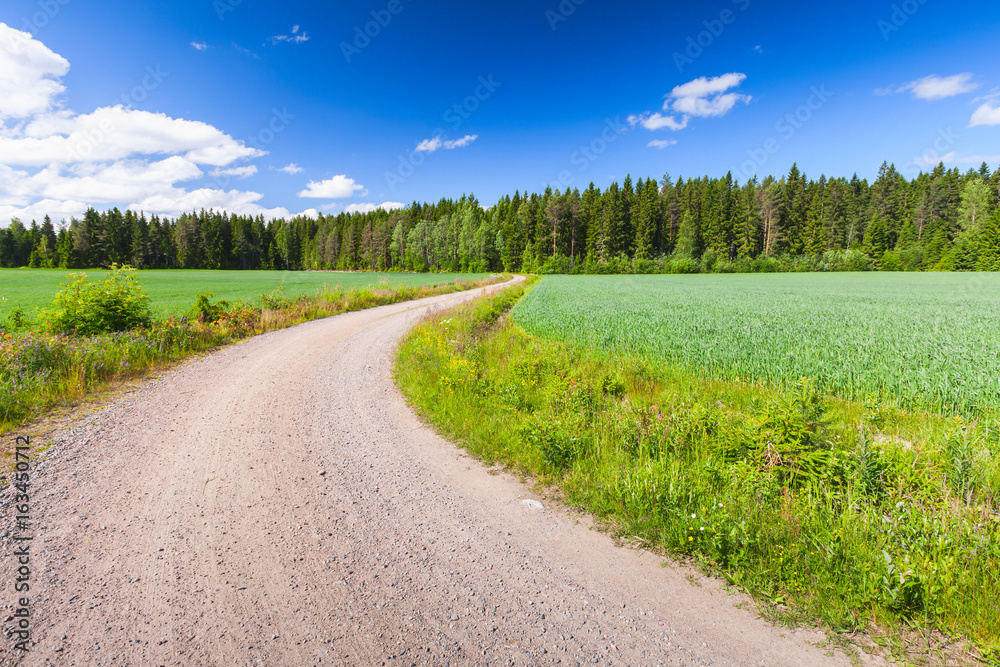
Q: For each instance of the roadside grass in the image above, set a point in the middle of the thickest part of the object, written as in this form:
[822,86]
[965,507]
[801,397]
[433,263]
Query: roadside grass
[857,514]
[39,370]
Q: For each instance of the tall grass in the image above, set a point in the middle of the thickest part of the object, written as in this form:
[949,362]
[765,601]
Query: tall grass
[39,370]
[858,514]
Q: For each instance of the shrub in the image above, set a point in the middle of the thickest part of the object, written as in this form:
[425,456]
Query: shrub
[205,311]
[88,308]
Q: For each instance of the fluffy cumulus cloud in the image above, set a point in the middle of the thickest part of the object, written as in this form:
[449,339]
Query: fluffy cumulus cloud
[117,133]
[338,187]
[987,114]
[30,75]
[291,169]
[935,87]
[201,46]
[56,161]
[368,208]
[705,97]
[437,143]
[176,201]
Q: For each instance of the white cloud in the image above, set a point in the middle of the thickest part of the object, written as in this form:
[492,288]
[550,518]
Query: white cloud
[661,143]
[954,158]
[246,52]
[295,37]
[237,172]
[705,97]
[461,143]
[115,133]
[57,210]
[338,187]
[987,114]
[430,145]
[29,74]
[657,121]
[233,201]
[56,161]
[937,88]
[436,143]
[368,208]
[201,46]
[291,169]
[117,182]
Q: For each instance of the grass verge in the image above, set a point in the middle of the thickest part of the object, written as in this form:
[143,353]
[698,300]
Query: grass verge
[858,516]
[39,371]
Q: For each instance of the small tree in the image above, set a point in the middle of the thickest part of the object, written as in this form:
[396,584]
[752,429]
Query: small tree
[87,308]
[974,208]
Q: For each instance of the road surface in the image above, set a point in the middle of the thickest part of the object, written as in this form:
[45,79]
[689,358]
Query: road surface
[277,503]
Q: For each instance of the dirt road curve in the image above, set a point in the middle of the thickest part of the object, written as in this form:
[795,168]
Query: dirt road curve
[277,503]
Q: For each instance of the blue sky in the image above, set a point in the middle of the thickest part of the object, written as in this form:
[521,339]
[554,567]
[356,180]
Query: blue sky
[279,108]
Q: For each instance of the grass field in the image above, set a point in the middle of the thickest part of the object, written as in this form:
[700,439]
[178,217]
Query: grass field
[916,340]
[675,408]
[173,292]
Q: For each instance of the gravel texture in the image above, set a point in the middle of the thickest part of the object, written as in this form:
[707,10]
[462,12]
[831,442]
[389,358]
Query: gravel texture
[277,503]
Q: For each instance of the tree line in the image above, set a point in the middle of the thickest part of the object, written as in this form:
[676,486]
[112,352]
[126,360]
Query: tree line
[940,220]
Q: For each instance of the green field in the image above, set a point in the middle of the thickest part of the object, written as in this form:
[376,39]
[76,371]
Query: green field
[915,340]
[173,292]
[858,514]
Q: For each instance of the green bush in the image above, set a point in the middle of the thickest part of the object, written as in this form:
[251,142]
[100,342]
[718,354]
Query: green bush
[205,311]
[88,308]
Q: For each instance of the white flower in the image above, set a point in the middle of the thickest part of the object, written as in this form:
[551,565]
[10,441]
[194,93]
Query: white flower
[694,516]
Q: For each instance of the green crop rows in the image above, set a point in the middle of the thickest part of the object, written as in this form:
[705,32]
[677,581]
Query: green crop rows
[920,341]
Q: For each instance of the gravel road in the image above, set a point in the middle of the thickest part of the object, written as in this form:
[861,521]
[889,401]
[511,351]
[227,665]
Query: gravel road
[277,503]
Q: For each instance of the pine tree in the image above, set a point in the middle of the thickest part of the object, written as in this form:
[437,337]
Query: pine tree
[989,244]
